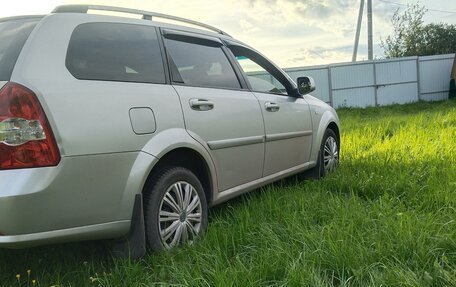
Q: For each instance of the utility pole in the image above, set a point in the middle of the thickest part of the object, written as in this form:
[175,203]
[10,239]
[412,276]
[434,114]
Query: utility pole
[370,48]
[370,45]
[358,30]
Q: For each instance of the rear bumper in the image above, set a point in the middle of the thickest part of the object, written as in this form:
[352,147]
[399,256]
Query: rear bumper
[84,197]
[92,232]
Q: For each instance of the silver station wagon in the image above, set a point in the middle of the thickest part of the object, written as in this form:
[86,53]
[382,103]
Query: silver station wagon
[130,128]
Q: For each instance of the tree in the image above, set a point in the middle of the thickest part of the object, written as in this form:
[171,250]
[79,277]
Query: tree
[412,38]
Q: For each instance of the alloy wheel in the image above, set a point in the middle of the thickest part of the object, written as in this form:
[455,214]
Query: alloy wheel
[180,215]
[330,155]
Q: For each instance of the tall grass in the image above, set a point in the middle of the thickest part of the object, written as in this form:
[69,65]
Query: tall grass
[387,217]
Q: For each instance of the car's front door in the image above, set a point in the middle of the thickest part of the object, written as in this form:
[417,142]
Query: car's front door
[218,112]
[286,116]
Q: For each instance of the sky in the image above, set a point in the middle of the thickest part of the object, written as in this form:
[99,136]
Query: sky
[292,33]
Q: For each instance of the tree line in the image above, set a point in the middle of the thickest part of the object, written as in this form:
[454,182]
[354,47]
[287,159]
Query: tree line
[411,37]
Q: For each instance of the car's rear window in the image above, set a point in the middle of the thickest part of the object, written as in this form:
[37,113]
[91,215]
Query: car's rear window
[13,34]
[115,52]
[201,65]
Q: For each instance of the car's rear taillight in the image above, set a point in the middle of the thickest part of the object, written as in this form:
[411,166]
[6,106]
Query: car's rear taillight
[26,138]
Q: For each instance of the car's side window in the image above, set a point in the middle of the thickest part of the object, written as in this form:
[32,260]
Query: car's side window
[13,34]
[261,77]
[115,52]
[195,64]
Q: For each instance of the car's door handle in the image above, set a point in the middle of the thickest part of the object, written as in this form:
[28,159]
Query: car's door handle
[271,107]
[201,104]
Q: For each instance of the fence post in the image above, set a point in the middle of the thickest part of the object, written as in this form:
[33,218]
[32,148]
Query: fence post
[375,84]
[418,88]
[331,100]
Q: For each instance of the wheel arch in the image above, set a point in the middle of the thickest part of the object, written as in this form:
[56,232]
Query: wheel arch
[160,149]
[187,158]
[134,242]
[335,128]
[328,120]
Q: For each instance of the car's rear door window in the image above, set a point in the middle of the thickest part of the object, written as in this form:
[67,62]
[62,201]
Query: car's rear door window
[200,65]
[13,34]
[115,52]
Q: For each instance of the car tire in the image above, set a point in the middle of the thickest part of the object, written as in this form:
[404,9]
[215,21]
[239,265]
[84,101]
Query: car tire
[175,209]
[328,157]
[329,153]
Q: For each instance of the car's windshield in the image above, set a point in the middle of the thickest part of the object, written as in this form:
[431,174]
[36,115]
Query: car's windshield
[13,34]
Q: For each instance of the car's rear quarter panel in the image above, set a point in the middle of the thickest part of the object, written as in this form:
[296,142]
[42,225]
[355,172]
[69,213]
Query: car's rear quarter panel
[103,161]
[88,117]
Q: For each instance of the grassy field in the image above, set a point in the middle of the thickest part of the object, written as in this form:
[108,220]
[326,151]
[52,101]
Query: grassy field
[387,217]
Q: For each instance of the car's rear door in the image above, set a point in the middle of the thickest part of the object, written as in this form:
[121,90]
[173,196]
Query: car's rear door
[219,111]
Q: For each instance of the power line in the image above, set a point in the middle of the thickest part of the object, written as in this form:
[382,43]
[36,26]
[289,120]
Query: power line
[429,9]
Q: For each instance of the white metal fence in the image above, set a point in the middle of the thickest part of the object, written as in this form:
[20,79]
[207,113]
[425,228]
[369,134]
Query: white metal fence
[381,82]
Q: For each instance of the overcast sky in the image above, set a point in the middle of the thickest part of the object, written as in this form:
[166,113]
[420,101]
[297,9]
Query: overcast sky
[290,32]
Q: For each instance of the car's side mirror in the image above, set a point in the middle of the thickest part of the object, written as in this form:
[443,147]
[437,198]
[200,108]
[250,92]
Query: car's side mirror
[305,85]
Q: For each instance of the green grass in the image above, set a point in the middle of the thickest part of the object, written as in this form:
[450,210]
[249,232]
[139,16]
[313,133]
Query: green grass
[387,217]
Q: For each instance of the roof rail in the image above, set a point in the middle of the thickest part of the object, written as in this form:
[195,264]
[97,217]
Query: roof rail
[146,15]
